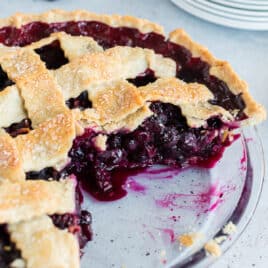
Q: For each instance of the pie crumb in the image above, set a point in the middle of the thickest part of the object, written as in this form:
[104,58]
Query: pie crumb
[225,135]
[220,239]
[213,248]
[229,228]
[100,142]
[189,239]
[18,263]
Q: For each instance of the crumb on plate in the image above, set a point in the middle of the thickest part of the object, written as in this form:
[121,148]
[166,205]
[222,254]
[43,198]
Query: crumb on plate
[229,228]
[189,239]
[213,248]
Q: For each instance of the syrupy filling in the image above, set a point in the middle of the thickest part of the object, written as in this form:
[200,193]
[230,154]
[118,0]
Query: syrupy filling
[82,102]
[20,128]
[189,68]
[164,138]
[52,55]
[77,224]
[148,76]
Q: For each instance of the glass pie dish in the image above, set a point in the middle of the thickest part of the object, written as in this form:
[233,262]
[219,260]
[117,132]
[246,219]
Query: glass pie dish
[142,229]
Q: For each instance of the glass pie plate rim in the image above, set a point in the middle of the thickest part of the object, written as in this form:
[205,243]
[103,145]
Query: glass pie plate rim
[252,199]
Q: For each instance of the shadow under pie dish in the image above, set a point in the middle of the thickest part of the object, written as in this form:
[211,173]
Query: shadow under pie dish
[85,97]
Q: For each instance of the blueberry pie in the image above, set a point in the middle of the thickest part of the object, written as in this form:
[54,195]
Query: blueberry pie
[85,97]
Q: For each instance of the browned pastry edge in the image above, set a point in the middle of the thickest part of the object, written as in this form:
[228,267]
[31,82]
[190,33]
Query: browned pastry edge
[57,15]
[222,70]
[33,198]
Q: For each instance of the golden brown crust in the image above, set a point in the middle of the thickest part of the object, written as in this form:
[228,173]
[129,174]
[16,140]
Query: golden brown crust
[192,98]
[42,97]
[10,161]
[43,245]
[48,145]
[27,199]
[84,73]
[56,15]
[11,105]
[120,105]
[131,122]
[72,46]
[222,70]
[175,91]
[115,100]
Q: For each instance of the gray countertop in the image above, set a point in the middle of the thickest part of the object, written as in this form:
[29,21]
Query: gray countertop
[247,51]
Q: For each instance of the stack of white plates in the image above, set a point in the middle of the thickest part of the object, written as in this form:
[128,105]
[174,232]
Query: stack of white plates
[243,14]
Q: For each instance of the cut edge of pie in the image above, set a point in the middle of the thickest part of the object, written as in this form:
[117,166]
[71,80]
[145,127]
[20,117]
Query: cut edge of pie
[112,114]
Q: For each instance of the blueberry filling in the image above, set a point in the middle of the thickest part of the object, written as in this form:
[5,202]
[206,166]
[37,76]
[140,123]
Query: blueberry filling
[164,138]
[4,80]
[44,174]
[144,78]
[196,70]
[20,128]
[52,55]
[77,224]
[8,250]
[82,102]
[189,68]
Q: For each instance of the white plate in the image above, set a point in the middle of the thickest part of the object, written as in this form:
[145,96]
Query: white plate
[222,12]
[207,14]
[263,6]
[250,2]
[231,10]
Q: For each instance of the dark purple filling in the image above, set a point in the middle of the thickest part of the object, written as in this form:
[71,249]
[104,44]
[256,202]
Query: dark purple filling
[4,80]
[77,224]
[44,174]
[8,251]
[143,79]
[189,69]
[82,102]
[52,55]
[164,138]
[20,128]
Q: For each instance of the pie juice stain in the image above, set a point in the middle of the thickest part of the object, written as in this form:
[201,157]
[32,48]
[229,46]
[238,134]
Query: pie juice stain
[134,186]
[201,202]
[168,232]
